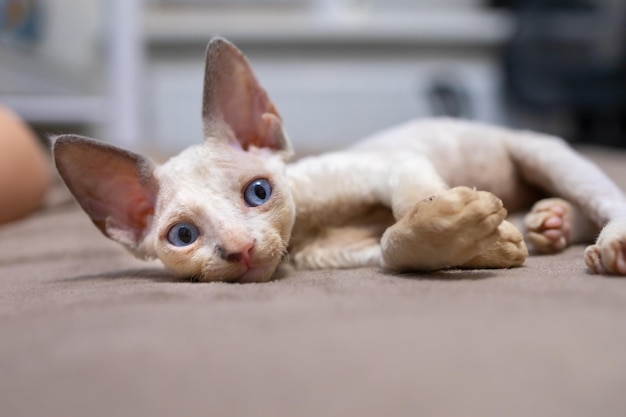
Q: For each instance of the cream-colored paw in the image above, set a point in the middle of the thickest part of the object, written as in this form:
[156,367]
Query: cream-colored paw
[549,225]
[507,252]
[608,255]
[447,230]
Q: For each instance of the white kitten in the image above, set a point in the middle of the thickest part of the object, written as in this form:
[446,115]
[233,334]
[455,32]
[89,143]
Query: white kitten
[230,208]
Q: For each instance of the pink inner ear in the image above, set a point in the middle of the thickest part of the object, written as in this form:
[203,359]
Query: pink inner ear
[245,117]
[234,96]
[121,200]
[114,187]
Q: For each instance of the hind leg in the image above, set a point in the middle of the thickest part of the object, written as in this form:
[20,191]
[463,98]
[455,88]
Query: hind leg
[552,165]
[553,224]
[608,255]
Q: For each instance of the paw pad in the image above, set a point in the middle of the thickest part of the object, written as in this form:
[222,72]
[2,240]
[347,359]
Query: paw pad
[548,225]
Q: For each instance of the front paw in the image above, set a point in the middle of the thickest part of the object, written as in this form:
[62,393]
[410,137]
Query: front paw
[509,251]
[444,231]
[608,255]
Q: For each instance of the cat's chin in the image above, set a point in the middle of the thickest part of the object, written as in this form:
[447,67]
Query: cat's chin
[261,273]
[257,274]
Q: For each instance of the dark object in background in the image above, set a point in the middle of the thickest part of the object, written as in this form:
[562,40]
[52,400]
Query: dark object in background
[448,98]
[20,21]
[571,55]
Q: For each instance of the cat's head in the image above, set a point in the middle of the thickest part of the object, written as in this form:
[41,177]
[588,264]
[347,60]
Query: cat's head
[219,211]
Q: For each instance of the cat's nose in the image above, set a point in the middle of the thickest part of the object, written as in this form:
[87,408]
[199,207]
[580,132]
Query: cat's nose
[239,254]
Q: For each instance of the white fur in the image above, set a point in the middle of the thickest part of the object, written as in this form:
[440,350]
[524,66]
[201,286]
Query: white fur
[420,196]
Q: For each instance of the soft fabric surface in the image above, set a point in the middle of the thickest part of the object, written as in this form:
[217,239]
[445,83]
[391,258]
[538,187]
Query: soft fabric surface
[86,330]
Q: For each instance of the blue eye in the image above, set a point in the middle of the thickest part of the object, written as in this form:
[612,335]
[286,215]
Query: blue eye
[257,192]
[182,234]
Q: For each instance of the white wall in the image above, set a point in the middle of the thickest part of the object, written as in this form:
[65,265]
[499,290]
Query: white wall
[72,32]
[326,103]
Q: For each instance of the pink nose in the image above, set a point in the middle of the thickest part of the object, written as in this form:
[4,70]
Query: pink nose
[235,254]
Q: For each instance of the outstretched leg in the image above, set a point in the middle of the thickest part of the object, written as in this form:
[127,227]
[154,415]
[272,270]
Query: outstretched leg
[608,255]
[436,227]
[349,184]
[552,165]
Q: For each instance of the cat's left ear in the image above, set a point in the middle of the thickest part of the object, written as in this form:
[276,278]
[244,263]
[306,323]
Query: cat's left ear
[115,187]
[234,105]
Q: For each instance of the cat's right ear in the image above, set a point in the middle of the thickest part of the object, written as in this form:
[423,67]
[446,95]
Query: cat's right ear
[234,104]
[115,187]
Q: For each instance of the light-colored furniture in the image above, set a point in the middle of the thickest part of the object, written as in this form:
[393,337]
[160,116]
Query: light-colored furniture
[44,91]
[336,74]
[334,77]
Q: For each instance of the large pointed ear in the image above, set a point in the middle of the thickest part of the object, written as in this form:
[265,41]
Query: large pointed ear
[234,105]
[115,187]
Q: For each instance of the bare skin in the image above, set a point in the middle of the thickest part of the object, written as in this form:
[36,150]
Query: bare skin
[24,173]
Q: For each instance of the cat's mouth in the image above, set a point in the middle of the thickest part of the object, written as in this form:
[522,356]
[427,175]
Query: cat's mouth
[256,268]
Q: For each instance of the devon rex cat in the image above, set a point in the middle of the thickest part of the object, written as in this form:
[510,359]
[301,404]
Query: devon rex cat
[230,209]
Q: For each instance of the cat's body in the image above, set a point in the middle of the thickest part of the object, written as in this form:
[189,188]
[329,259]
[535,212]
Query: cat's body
[429,158]
[404,199]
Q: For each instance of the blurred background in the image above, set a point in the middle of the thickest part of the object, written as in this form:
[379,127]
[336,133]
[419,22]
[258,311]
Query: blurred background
[130,71]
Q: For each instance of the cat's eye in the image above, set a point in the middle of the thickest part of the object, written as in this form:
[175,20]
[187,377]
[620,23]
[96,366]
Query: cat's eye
[182,234]
[257,192]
